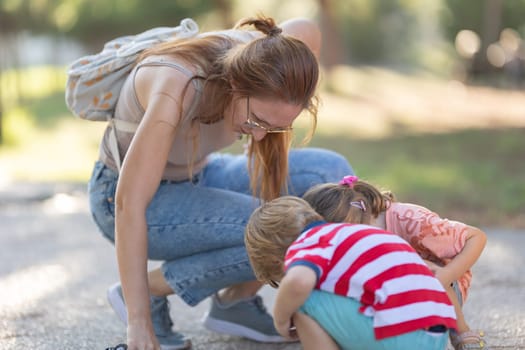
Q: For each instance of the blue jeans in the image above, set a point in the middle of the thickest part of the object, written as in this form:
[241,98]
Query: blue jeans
[197,227]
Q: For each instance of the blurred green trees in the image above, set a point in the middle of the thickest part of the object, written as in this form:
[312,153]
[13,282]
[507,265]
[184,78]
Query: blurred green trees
[397,33]
[473,41]
[94,21]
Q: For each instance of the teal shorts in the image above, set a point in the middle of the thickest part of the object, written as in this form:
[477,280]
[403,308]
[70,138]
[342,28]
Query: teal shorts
[340,317]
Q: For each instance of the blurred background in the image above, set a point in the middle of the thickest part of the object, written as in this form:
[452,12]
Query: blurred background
[424,97]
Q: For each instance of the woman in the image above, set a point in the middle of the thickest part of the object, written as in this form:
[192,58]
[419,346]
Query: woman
[174,199]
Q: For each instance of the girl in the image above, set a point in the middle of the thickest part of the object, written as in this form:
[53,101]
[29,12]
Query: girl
[450,248]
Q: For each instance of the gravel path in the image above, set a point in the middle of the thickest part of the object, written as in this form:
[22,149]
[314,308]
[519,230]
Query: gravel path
[55,268]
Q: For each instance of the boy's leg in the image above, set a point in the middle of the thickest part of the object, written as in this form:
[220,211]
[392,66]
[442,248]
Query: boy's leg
[340,317]
[311,334]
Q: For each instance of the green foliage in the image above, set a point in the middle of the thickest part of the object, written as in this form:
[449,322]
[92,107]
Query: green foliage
[470,175]
[462,14]
[18,126]
[397,33]
[474,176]
[101,20]
[96,21]
[470,14]
[376,31]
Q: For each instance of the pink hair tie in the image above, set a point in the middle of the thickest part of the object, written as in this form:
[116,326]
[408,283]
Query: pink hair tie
[349,180]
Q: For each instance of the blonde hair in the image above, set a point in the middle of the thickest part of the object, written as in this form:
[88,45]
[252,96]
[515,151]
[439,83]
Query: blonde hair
[274,66]
[333,201]
[272,228]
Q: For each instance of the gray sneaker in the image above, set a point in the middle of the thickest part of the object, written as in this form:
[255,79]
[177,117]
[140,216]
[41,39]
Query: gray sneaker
[243,318]
[160,316]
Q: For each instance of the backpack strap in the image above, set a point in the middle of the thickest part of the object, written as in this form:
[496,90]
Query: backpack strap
[113,144]
[122,125]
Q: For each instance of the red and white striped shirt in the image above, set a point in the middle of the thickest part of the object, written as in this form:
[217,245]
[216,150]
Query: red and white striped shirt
[377,268]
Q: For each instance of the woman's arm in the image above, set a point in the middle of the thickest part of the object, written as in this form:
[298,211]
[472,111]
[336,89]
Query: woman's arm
[293,291]
[139,179]
[474,244]
[305,30]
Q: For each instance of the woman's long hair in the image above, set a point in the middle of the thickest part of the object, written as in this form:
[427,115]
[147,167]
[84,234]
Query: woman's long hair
[273,66]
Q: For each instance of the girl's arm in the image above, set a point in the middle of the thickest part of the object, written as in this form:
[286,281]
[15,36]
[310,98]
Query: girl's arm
[293,291]
[139,179]
[455,243]
[474,244]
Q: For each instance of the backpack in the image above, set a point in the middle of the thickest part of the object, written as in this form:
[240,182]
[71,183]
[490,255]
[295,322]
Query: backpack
[94,82]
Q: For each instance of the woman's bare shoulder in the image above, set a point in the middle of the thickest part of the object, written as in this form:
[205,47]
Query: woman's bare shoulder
[160,77]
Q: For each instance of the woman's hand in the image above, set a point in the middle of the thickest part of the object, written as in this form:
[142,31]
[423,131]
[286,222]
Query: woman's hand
[141,337]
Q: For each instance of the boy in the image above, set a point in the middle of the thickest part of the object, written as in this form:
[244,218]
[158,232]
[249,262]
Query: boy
[366,288]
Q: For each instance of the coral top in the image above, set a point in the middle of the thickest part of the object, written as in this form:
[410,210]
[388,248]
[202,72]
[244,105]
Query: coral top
[434,238]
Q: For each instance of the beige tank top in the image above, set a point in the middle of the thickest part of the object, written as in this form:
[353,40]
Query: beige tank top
[212,137]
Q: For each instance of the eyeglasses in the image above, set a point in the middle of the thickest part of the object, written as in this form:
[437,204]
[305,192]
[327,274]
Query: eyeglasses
[273,284]
[252,124]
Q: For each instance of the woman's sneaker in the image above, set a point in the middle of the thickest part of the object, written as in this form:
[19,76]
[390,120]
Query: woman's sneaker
[160,316]
[243,318]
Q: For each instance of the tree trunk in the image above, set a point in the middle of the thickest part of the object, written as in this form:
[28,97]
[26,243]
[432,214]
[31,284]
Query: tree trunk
[490,34]
[224,7]
[333,49]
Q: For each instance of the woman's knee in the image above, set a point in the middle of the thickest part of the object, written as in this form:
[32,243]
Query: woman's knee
[312,166]
[327,164]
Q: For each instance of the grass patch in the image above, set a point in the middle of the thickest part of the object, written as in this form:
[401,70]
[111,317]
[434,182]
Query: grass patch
[474,176]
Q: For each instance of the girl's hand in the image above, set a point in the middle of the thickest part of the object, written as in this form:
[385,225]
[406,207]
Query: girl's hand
[141,338]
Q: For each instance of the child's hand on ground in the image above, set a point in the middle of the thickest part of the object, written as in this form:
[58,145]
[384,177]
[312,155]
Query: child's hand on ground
[286,328]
